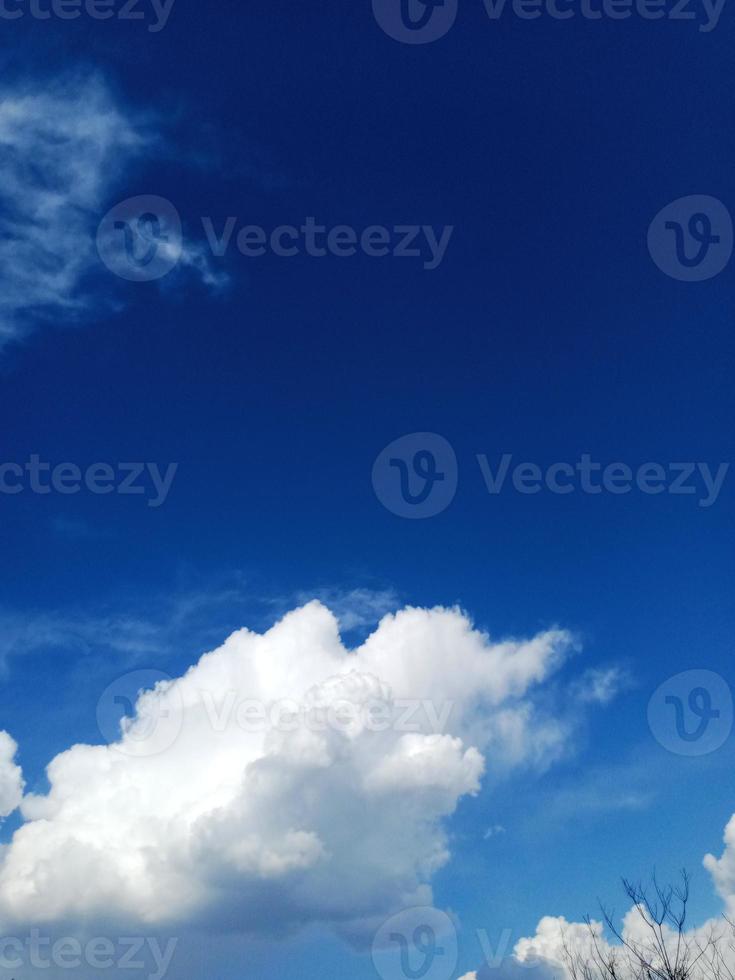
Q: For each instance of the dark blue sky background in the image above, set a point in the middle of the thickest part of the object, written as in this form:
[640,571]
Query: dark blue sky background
[546,332]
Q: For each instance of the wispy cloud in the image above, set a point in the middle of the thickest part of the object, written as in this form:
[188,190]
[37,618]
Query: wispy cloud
[65,146]
[76,529]
[355,609]
[135,630]
[60,147]
[163,626]
[616,787]
[601,685]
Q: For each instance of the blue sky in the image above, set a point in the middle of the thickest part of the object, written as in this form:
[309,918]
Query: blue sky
[274,383]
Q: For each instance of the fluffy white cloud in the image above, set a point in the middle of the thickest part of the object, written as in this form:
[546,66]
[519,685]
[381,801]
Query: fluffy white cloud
[217,801]
[552,933]
[556,939]
[11,777]
[64,146]
[722,869]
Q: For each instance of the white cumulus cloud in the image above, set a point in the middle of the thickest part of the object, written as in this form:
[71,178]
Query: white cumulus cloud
[11,776]
[284,779]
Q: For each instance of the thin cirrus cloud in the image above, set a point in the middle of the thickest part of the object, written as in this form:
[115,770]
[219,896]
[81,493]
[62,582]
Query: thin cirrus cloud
[601,685]
[272,827]
[163,625]
[356,608]
[118,635]
[65,147]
